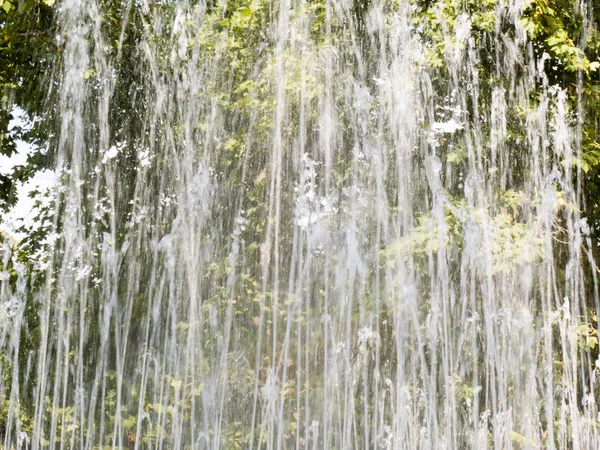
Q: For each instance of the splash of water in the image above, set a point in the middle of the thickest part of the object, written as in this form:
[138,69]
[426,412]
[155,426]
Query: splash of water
[311,241]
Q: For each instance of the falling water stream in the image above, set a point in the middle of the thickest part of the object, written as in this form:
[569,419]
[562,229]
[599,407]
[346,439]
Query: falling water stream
[285,224]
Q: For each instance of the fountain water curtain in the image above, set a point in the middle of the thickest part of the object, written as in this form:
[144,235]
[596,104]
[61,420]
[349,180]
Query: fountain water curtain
[297,224]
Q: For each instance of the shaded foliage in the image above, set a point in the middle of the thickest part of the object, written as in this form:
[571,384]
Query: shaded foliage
[28,53]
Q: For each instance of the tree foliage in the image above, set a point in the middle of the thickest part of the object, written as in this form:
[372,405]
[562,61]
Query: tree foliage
[554,31]
[28,52]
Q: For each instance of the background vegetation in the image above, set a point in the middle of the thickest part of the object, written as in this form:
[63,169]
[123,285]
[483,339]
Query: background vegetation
[30,66]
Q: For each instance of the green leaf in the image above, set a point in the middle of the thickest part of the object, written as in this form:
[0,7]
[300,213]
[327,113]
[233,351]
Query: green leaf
[89,73]
[245,12]
[6,5]
[129,422]
[520,439]
[560,37]
[454,157]
[49,2]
